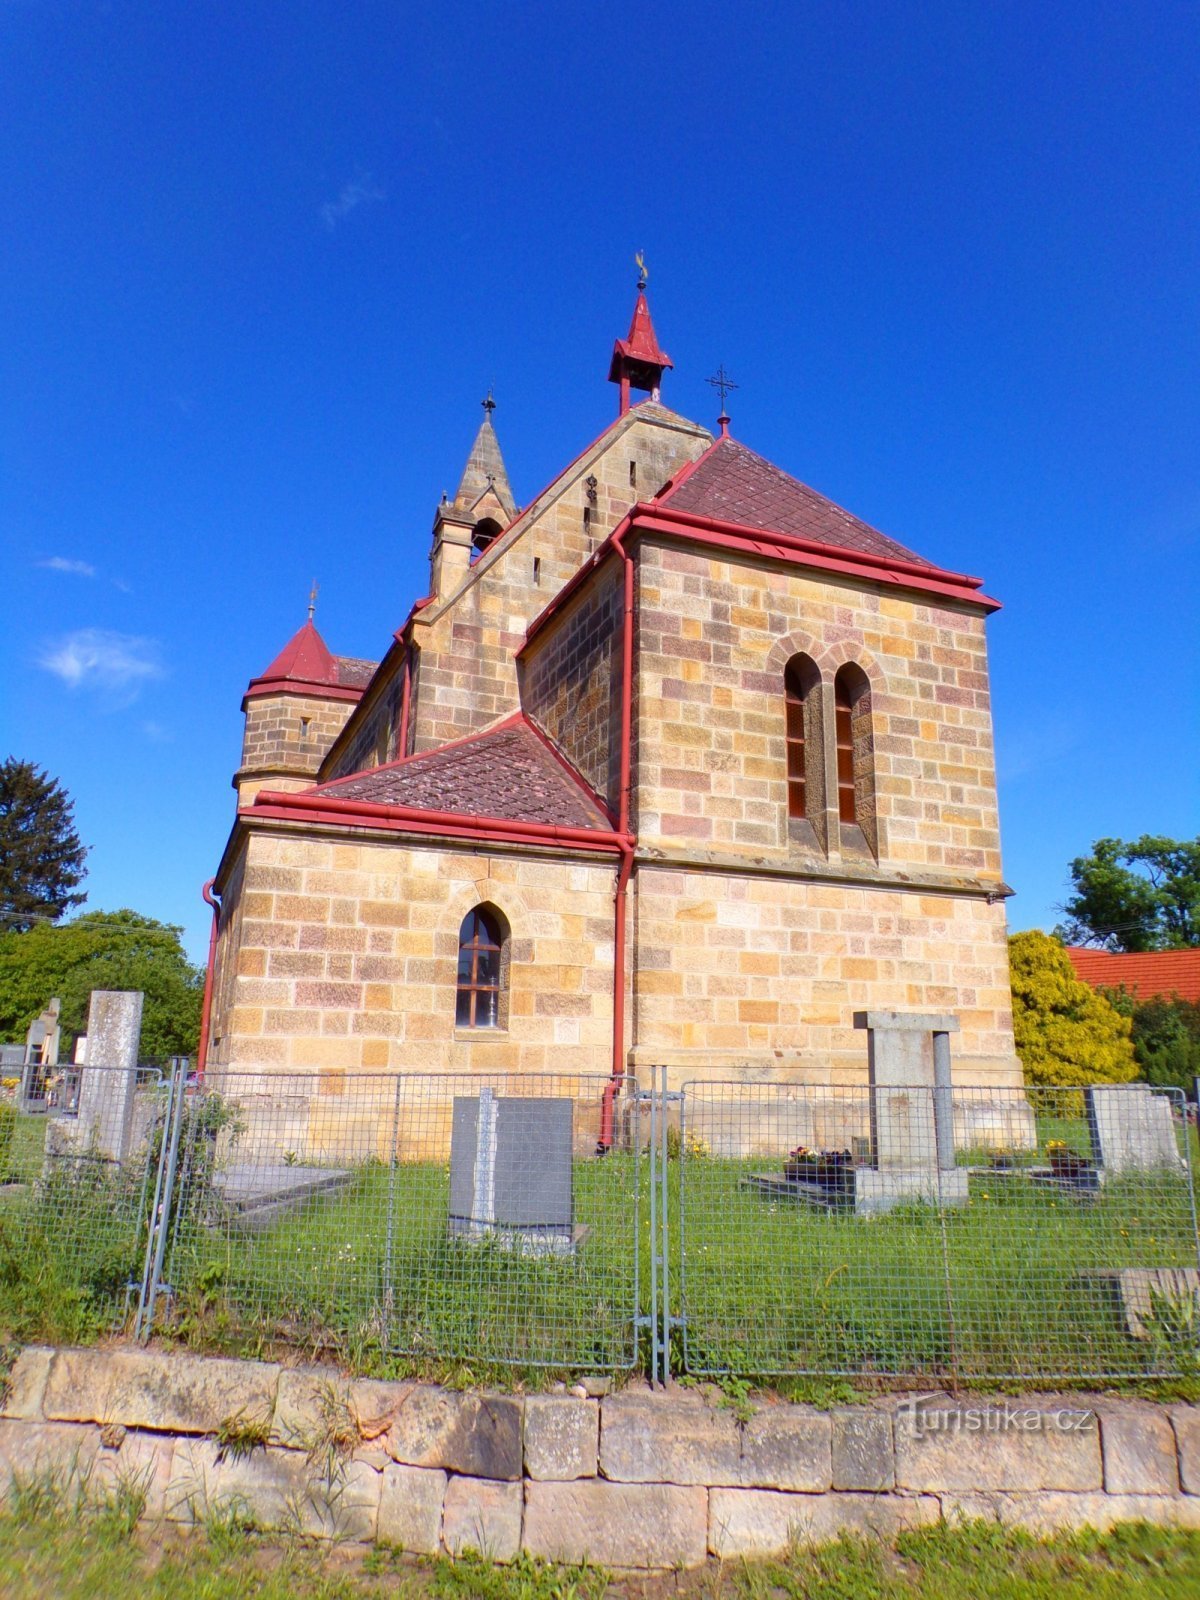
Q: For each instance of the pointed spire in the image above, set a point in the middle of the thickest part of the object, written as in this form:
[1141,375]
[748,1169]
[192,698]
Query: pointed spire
[305,658]
[485,469]
[639,361]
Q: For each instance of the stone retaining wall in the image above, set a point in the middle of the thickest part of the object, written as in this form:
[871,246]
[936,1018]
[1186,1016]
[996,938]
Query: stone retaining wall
[627,1480]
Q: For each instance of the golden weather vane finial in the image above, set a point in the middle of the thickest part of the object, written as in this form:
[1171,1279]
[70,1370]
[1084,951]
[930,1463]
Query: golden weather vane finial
[643,275]
[312,599]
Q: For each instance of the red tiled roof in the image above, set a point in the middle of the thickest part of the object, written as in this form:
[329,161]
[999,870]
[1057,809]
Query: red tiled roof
[353,673]
[733,484]
[1146,974]
[510,772]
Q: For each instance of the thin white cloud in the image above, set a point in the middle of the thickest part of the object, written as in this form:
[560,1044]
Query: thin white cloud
[115,665]
[156,733]
[362,190]
[77,569]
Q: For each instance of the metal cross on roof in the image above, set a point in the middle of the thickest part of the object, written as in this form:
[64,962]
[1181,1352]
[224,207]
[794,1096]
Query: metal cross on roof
[489,405]
[722,383]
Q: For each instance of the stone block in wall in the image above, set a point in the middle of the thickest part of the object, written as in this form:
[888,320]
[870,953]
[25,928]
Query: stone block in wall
[651,1525]
[410,1508]
[561,1437]
[1186,1422]
[25,1385]
[863,1453]
[787,1447]
[275,1489]
[477,1434]
[761,1522]
[1046,1513]
[141,1462]
[29,1449]
[948,1454]
[1138,1444]
[482,1514]
[647,1439]
[174,1392]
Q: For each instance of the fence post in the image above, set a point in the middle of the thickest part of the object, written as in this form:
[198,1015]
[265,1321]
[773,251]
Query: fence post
[164,1188]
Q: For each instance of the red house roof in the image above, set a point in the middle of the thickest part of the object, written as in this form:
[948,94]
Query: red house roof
[1145,974]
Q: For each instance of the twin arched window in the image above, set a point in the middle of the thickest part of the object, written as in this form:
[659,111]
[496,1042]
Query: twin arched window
[853,762]
[482,961]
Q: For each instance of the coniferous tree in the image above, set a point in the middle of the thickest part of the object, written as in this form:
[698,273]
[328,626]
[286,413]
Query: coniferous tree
[41,856]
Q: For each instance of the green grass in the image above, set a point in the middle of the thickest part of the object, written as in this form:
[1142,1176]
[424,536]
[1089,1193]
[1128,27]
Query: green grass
[369,1274]
[91,1555]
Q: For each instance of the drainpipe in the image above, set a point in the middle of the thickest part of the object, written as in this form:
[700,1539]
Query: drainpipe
[628,843]
[206,1011]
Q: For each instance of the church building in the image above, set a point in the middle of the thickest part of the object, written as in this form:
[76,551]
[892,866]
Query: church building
[679,764]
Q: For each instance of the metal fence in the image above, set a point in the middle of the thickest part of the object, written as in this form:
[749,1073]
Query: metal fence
[728,1227]
[1024,1233]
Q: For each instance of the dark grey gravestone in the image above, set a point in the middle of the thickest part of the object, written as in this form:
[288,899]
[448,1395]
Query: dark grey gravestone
[511,1172]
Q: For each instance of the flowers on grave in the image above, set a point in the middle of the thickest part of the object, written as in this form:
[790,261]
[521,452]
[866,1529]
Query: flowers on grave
[1065,1162]
[832,1169]
[1002,1159]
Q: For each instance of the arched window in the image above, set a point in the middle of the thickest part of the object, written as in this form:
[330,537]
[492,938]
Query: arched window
[801,684]
[486,529]
[855,756]
[480,969]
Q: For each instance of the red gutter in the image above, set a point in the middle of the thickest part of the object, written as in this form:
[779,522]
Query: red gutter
[627,846]
[206,1010]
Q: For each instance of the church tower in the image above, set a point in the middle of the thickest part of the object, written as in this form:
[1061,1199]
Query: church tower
[294,711]
[482,508]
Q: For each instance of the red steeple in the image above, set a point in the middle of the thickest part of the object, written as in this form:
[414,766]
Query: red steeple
[305,658]
[638,362]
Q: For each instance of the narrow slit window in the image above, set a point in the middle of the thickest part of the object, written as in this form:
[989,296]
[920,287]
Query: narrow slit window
[480,954]
[633,474]
[537,572]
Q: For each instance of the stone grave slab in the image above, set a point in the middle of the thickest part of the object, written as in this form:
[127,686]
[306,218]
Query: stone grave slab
[1132,1129]
[258,1194]
[511,1173]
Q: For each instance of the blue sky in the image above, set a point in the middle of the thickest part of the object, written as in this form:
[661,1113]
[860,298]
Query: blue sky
[260,263]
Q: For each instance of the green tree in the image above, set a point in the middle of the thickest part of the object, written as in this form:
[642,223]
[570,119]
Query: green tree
[102,950]
[1065,1032]
[1138,895]
[41,857]
[1166,1037]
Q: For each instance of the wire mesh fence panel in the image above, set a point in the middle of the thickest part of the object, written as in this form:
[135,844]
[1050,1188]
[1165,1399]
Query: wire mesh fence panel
[992,1232]
[77,1167]
[798,1256]
[1076,1255]
[443,1216]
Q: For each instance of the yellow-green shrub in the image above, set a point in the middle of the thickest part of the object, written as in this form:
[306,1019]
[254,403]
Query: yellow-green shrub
[1066,1033]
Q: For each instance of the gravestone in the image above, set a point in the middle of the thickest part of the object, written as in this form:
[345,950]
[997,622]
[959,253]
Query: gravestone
[1132,1129]
[108,1083]
[511,1176]
[41,1057]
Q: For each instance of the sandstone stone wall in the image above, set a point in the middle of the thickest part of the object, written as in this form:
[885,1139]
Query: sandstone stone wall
[765,972]
[571,681]
[376,733]
[714,638]
[344,959]
[635,1480]
[285,740]
[467,670]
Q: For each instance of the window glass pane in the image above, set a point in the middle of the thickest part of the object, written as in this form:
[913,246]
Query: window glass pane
[464,966]
[487,966]
[486,1008]
[462,1011]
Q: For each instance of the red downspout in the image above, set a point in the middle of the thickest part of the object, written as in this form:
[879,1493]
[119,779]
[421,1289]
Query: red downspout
[628,844]
[206,1012]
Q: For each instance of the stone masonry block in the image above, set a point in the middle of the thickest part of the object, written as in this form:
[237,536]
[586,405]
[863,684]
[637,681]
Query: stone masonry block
[947,1455]
[143,1389]
[26,1383]
[1138,1443]
[410,1508]
[1186,1422]
[761,1522]
[276,1489]
[787,1447]
[142,1462]
[646,1439]
[484,1515]
[863,1456]
[652,1525]
[31,1448]
[1042,1514]
[561,1437]
[479,1435]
